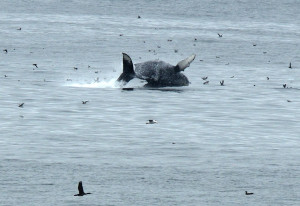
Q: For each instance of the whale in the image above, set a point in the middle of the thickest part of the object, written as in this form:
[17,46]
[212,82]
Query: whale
[156,73]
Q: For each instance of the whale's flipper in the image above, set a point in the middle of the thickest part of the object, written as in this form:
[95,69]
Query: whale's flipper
[184,63]
[128,72]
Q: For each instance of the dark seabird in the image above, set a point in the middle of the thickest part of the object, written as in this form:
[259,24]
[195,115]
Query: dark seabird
[204,78]
[268,78]
[290,65]
[248,193]
[21,105]
[222,83]
[5,50]
[75,68]
[220,35]
[139,17]
[206,82]
[80,190]
[284,85]
[84,102]
[19,29]
[35,65]
[151,121]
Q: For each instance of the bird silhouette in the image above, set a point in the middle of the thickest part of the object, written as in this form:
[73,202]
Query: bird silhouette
[248,193]
[80,190]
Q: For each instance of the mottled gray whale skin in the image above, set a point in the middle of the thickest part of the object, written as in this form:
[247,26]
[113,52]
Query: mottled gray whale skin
[156,73]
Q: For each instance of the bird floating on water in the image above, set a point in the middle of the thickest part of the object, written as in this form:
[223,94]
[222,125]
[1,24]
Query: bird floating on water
[151,121]
[35,65]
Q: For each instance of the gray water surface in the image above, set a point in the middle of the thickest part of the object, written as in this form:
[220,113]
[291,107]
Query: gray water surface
[211,142]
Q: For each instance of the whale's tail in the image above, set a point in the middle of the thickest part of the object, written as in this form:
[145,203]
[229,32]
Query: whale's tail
[128,72]
[183,64]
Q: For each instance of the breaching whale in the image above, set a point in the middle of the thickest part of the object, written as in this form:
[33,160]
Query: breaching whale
[156,73]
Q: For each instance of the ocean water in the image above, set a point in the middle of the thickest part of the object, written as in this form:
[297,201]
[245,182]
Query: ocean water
[211,142]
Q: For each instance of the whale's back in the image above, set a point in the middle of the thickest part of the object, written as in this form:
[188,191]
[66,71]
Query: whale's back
[160,73]
[153,70]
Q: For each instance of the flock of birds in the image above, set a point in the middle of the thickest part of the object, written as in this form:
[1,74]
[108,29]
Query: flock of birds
[151,121]
[205,79]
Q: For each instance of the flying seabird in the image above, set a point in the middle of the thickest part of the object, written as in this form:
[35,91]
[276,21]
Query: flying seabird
[248,193]
[80,190]
[35,65]
[222,83]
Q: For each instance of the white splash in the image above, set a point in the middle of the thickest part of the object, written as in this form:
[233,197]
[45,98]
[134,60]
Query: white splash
[97,84]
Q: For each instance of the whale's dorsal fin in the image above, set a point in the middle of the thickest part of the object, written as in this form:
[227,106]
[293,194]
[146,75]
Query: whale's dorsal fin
[184,63]
[128,72]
